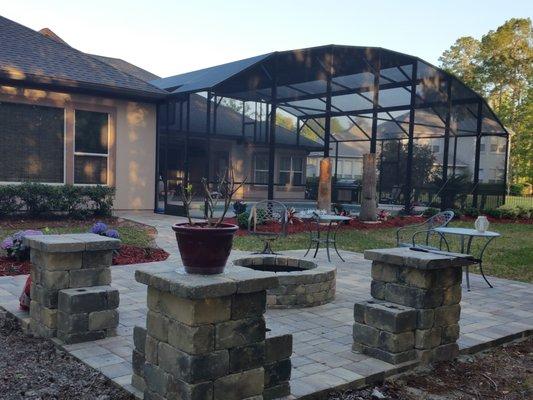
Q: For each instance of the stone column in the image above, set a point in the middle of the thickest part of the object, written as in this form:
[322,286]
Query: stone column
[324,185]
[205,335]
[414,313]
[64,262]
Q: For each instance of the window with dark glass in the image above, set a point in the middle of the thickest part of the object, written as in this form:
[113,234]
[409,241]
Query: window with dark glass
[291,170]
[32,143]
[261,169]
[91,147]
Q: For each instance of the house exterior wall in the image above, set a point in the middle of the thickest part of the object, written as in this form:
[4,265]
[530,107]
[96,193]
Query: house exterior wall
[132,140]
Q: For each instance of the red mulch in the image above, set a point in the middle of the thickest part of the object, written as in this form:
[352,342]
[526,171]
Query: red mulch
[127,255]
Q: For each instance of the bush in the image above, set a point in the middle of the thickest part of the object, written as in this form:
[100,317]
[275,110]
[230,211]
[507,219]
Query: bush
[471,212]
[239,207]
[15,247]
[431,211]
[517,189]
[36,199]
[242,220]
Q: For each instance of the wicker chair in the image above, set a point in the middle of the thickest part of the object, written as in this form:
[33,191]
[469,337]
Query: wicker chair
[268,221]
[426,230]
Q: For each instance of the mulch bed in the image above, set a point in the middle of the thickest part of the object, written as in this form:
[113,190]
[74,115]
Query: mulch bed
[35,369]
[503,373]
[127,254]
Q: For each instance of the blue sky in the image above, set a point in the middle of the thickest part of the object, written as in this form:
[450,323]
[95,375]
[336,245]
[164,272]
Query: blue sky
[171,37]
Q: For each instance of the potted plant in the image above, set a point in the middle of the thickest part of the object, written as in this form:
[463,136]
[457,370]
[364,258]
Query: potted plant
[205,246]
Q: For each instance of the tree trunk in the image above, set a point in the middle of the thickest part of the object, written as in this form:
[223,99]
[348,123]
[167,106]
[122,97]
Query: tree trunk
[324,185]
[369,203]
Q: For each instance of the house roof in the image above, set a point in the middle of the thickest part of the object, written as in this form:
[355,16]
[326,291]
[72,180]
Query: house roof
[127,67]
[44,61]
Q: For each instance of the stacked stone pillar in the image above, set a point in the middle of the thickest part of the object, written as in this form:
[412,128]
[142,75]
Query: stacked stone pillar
[63,262]
[415,310]
[205,335]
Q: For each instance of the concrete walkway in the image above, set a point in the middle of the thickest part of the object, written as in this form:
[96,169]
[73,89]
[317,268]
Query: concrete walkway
[322,358]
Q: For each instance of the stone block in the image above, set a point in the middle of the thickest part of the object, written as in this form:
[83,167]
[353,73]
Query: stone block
[97,259]
[443,352]
[193,368]
[277,372]
[55,280]
[428,338]
[36,274]
[390,317]
[191,339]
[56,261]
[452,295]
[425,318]
[149,395]
[72,323]
[278,348]
[396,342]
[157,325]
[447,315]
[377,289]
[152,299]
[90,277]
[365,334]
[423,279]
[384,272]
[276,392]
[391,358]
[139,338]
[138,382]
[89,336]
[239,385]
[449,277]
[55,243]
[246,357]
[157,380]
[195,312]
[411,296]
[40,330]
[239,333]
[45,297]
[87,299]
[450,333]
[137,363]
[187,391]
[246,305]
[151,349]
[106,319]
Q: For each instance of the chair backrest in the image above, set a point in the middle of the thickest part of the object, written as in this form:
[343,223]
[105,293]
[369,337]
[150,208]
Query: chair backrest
[439,220]
[268,216]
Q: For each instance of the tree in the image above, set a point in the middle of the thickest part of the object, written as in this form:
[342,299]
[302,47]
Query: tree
[500,68]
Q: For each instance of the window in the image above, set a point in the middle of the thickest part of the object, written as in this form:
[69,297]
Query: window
[91,149]
[494,148]
[436,148]
[32,143]
[291,170]
[482,147]
[261,169]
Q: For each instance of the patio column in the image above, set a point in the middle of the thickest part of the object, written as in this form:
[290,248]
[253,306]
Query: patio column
[444,193]
[375,105]
[410,145]
[324,181]
[414,313]
[272,133]
[477,152]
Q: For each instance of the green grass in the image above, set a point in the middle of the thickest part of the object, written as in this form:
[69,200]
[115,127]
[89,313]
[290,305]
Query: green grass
[510,256]
[132,234]
[521,201]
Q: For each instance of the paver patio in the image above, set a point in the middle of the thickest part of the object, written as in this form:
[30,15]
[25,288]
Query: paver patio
[322,357]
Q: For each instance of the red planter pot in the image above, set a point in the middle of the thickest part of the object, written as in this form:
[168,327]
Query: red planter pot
[204,250]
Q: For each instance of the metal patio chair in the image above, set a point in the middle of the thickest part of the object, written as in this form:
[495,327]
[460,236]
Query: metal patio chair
[425,229]
[268,221]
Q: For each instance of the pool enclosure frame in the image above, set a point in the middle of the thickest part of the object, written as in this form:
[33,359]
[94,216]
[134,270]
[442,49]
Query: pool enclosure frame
[379,95]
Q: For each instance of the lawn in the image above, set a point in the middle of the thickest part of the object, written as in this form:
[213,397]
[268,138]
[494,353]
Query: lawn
[510,256]
[130,233]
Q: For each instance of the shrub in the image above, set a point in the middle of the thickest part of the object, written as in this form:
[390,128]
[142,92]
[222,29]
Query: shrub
[239,207]
[15,247]
[242,220]
[517,189]
[431,211]
[494,213]
[100,228]
[37,199]
[470,211]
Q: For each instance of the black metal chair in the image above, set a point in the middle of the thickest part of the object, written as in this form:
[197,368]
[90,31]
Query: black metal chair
[426,229]
[268,221]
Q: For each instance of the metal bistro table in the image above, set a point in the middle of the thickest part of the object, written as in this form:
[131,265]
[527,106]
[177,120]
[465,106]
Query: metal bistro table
[466,236]
[316,237]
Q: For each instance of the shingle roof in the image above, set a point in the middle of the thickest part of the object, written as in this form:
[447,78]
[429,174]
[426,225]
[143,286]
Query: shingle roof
[127,67]
[33,57]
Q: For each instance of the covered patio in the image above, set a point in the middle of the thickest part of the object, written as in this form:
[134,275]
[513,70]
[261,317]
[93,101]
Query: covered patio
[435,138]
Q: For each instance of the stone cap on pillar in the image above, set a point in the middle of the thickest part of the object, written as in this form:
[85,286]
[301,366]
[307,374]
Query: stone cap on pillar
[430,259]
[70,243]
[167,276]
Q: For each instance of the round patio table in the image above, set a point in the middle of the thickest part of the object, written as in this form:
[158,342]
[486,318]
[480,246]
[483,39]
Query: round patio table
[466,237]
[333,223]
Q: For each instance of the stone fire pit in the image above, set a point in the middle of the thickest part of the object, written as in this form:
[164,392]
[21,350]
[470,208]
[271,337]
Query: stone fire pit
[302,283]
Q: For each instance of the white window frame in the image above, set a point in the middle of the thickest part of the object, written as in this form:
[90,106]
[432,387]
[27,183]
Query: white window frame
[255,170]
[81,153]
[292,170]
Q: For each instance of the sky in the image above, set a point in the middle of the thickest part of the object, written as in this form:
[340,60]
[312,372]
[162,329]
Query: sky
[171,37]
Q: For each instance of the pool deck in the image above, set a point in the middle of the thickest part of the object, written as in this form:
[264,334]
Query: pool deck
[322,360]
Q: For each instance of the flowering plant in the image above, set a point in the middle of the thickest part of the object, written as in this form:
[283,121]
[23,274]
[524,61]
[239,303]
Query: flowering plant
[101,229]
[383,215]
[15,247]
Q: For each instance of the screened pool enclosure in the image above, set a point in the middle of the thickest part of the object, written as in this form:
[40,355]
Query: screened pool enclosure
[436,140]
